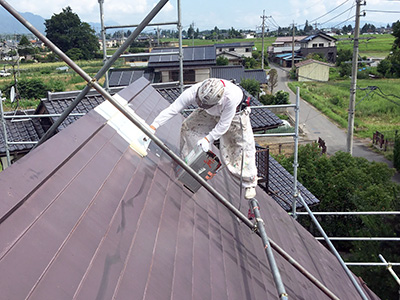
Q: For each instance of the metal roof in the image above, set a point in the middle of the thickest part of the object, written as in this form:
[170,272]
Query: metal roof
[238,73]
[200,55]
[239,44]
[84,217]
[124,77]
[20,130]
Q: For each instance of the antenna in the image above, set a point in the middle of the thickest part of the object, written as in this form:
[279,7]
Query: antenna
[12,94]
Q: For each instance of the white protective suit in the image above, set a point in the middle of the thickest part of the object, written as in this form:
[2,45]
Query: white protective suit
[218,122]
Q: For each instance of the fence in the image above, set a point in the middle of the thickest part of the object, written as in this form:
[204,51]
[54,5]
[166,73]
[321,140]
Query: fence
[384,141]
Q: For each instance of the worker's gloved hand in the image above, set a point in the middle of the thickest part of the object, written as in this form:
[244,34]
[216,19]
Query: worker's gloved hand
[205,144]
[153,129]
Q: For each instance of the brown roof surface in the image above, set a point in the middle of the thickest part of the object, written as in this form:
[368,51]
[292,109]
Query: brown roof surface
[84,217]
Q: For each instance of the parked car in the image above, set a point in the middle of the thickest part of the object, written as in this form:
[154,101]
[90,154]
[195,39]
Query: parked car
[4,73]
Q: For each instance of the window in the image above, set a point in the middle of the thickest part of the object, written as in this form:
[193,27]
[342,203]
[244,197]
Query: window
[321,45]
[231,49]
[314,45]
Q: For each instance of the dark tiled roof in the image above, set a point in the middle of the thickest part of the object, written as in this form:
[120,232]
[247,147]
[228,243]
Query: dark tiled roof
[124,77]
[20,130]
[238,73]
[192,56]
[56,103]
[279,182]
[261,118]
[84,217]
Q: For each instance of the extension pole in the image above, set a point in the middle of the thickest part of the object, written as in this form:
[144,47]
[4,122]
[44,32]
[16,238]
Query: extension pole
[333,249]
[104,43]
[99,74]
[272,263]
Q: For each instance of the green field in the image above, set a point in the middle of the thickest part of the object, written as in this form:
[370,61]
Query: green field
[377,111]
[377,45]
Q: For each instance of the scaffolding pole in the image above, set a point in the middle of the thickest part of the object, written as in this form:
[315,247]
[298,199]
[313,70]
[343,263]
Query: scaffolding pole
[272,263]
[3,122]
[389,268]
[99,74]
[296,151]
[103,37]
[333,249]
[131,117]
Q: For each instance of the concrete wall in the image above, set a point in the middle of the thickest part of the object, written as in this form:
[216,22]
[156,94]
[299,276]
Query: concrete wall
[313,71]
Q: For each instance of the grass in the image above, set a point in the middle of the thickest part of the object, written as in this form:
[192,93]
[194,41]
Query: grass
[374,112]
[377,45]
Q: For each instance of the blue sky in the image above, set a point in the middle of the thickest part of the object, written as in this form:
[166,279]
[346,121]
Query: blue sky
[243,14]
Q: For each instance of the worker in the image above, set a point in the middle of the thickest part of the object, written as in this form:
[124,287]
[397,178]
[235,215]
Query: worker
[220,116]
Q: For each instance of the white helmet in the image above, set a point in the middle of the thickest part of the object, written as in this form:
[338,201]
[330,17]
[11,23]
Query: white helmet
[210,92]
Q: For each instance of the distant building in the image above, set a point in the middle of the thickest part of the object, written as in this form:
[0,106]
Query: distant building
[312,70]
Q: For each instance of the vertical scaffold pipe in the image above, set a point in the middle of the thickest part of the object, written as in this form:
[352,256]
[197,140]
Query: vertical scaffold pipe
[268,250]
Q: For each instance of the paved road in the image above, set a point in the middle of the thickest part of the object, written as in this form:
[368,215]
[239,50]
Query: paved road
[314,124]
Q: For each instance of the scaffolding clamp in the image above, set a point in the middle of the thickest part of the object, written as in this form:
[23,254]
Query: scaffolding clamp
[92,81]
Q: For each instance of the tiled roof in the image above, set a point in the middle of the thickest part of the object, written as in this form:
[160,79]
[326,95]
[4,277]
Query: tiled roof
[84,217]
[192,56]
[124,77]
[20,130]
[238,73]
[260,118]
[57,102]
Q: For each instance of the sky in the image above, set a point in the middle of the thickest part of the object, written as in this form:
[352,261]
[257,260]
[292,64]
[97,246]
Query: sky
[206,14]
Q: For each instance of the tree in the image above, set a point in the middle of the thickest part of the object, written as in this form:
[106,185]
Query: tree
[68,32]
[25,46]
[272,80]
[251,85]
[222,61]
[345,183]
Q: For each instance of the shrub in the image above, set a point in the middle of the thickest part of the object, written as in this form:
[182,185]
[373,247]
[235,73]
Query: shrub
[222,61]
[252,86]
[32,88]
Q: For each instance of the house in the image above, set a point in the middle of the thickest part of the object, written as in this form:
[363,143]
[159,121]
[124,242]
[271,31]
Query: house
[235,51]
[319,43]
[196,63]
[312,70]
[282,49]
[83,216]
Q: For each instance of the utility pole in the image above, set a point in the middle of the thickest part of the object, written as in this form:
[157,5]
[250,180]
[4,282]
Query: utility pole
[193,33]
[353,86]
[293,45]
[263,17]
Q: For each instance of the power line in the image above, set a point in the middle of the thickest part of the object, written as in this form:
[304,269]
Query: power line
[383,11]
[349,9]
[329,11]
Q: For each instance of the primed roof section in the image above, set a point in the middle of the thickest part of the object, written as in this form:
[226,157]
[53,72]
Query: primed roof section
[84,217]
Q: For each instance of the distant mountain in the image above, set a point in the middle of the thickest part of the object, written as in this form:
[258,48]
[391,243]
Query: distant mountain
[9,25]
